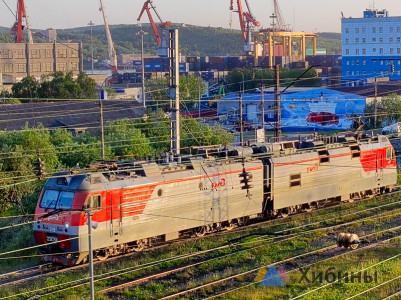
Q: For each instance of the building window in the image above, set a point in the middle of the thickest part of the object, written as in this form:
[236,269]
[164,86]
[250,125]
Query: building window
[380,29]
[363,51]
[356,51]
[48,53]
[381,50]
[346,51]
[374,40]
[346,30]
[352,62]
[363,29]
[8,68]
[74,66]
[391,40]
[347,73]
[398,29]
[391,29]
[373,29]
[399,39]
[347,62]
[391,50]
[356,30]
[20,68]
[61,67]
[347,41]
[364,72]
[19,53]
[364,62]
[357,62]
[48,67]
[7,54]
[363,40]
[357,72]
[374,49]
[381,40]
[381,62]
[35,53]
[35,67]
[357,40]
[62,53]
[74,53]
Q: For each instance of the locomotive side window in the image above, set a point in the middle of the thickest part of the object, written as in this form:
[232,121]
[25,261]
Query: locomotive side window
[295,180]
[93,201]
[389,154]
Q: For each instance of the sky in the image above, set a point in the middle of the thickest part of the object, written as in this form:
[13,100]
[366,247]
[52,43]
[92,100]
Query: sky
[301,15]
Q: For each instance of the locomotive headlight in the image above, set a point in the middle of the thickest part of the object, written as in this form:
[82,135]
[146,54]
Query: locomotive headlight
[67,225]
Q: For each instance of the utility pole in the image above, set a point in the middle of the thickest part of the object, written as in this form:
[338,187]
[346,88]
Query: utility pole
[92,284]
[142,33]
[91,25]
[241,121]
[174,55]
[273,17]
[263,109]
[375,122]
[277,98]
[102,127]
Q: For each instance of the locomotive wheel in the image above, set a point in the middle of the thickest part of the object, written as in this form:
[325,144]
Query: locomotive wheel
[140,245]
[354,246]
[201,231]
[103,254]
[307,207]
[283,213]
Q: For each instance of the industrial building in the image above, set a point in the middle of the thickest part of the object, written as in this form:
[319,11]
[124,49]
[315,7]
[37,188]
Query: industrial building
[18,60]
[371,48]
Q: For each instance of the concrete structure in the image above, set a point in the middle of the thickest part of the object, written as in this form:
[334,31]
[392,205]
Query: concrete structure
[370,46]
[20,60]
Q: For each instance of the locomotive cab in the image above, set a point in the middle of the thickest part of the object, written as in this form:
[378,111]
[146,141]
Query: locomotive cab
[59,212]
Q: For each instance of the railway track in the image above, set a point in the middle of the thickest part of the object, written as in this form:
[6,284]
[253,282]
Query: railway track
[40,273]
[271,241]
[291,264]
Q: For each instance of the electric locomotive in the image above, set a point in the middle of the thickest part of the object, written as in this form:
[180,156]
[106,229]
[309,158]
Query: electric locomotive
[136,204]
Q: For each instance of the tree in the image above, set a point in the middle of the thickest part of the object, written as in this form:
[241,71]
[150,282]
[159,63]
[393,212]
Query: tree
[87,86]
[18,153]
[27,88]
[388,111]
[190,88]
[126,140]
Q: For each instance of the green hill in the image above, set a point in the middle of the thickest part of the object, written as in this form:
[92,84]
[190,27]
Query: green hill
[195,40]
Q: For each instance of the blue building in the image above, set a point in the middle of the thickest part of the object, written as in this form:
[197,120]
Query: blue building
[371,47]
[307,110]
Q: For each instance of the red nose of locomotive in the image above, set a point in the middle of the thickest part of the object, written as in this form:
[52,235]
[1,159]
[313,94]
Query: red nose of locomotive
[58,213]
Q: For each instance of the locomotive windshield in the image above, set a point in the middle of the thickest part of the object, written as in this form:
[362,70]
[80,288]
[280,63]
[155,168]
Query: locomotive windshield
[57,199]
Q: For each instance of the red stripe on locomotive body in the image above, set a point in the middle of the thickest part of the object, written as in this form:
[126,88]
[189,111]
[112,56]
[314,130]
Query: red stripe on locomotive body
[370,159]
[135,199]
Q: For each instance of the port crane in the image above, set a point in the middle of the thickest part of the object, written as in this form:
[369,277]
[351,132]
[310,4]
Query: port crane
[161,36]
[111,50]
[247,21]
[18,26]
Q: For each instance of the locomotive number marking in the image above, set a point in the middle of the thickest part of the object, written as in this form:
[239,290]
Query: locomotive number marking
[52,239]
[221,183]
[313,168]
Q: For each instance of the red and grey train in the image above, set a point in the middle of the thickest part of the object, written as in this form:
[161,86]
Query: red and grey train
[211,191]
